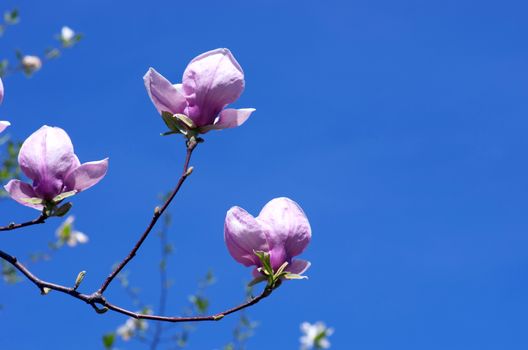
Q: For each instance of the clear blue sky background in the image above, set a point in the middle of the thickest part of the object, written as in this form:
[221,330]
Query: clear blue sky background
[399,126]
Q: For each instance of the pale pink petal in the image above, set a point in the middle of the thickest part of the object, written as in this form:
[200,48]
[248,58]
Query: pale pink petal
[1,91]
[210,82]
[230,118]
[290,228]
[298,266]
[244,235]
[4,124]
[165,96]
[87,175]
[19,191]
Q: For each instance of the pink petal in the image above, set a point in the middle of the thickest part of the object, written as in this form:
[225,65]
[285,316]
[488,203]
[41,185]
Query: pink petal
[4,124]
[1,91]
[46,156]
[244,235]
[298,266]
[290,228]
[230,118]
[19,191]
[210,82]
[165,96]
[87,175]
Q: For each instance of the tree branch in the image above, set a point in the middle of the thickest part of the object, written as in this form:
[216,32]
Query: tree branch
[96,299]
[12,226]
[191,144]
[216,317]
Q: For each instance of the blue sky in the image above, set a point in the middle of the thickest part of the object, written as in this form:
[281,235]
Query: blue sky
[399,127]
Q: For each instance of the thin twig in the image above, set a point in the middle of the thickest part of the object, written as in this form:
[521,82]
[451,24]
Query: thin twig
[12,226]
[216,317]
[96,299]
[164,286]
[191,144]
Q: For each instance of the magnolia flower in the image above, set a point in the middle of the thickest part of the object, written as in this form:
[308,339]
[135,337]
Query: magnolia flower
[67,34]
[281,229]
[210,82]
[315,336]
[47,158]
[66,233]
[31,63]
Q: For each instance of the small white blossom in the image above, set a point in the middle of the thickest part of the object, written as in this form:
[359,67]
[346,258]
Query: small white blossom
[66,234]
[131,326]
[31,63]
[67,34]
[315,336]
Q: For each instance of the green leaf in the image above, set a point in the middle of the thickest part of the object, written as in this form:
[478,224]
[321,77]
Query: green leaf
[11,17]
[109,340]
[200,303]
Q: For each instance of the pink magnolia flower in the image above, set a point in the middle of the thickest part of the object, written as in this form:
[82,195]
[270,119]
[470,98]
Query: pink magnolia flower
[210,82]
[281,229]
[47,158]
[3,123]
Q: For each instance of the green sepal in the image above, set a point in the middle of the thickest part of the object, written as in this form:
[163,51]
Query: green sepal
[63,195]
[185,120]
[62,210]
[280,271]
[172,132]
[294,276]
[174,123]
[266,262]
[33,200]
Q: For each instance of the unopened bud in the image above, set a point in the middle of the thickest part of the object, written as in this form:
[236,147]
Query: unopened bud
[189,171]
[79,279]
[45,291]
[31,63]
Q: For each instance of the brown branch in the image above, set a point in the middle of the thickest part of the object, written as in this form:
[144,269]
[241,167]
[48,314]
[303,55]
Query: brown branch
[96,299]
[164,287]
[12,226]
[216,317]
[191,144]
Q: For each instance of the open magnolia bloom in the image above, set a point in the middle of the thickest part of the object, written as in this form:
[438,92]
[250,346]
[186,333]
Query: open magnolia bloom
[47,158]
[210,82]
[281,231]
